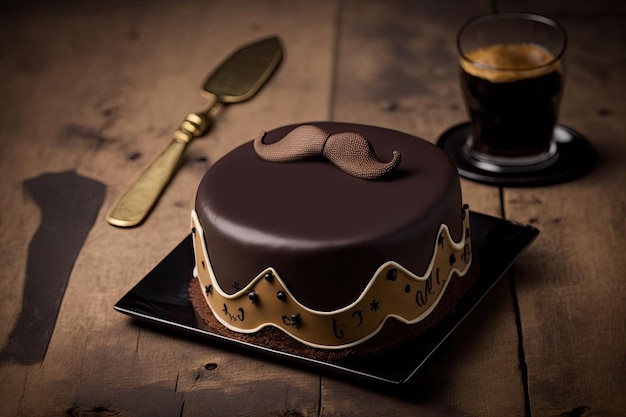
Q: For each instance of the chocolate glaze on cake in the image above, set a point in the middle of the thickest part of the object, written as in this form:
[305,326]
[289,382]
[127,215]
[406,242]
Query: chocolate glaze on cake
[325,232]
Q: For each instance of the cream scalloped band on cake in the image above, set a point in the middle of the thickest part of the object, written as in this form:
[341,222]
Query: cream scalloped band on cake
[393,291]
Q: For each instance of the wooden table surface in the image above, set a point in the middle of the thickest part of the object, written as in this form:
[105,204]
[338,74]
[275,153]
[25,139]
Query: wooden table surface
[90,94]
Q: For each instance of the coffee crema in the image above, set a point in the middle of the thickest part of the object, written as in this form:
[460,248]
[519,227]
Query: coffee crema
[500,63]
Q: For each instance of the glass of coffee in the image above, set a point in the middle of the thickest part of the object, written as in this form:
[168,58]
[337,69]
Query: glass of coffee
[511,76]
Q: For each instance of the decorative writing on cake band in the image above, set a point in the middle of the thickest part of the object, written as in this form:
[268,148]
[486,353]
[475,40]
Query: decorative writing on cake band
[393,291]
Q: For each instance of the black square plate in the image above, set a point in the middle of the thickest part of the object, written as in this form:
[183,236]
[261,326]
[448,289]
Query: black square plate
[162,298]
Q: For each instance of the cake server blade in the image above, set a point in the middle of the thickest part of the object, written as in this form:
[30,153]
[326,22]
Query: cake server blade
[238,78]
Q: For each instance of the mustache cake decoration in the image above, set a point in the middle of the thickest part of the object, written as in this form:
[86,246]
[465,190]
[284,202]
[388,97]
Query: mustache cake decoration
[351,152]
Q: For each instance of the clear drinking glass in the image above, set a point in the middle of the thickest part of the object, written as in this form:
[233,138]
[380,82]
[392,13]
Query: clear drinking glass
[511,77]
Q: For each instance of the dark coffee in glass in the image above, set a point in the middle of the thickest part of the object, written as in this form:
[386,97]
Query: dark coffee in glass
[511,80]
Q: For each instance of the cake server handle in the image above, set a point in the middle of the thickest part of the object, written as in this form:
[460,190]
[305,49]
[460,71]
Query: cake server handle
[133,207]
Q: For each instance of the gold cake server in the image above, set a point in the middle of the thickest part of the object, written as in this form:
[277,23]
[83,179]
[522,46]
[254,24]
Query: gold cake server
[238,78]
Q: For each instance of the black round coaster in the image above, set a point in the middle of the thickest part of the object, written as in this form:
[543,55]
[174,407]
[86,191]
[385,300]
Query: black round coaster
[574,158]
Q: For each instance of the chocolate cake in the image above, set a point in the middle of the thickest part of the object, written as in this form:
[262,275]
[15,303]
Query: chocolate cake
[329,237]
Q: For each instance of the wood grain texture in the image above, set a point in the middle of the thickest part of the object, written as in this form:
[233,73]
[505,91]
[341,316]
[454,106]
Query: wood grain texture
[99,87]
[570,283]
[397,67]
